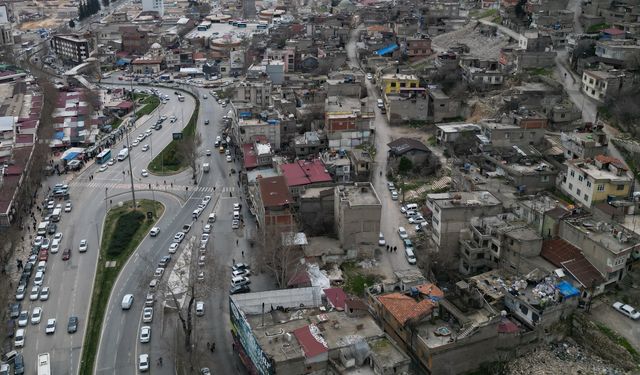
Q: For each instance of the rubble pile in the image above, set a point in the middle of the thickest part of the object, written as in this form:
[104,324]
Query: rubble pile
[479,45]
[564,357]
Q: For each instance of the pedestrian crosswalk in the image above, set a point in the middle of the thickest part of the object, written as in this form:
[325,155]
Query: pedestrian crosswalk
[174,188]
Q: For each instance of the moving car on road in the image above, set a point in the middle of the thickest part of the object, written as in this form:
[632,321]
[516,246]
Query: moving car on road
[51,326]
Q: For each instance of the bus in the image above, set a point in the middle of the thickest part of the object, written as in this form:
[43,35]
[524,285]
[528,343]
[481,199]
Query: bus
[44,364]
[263,25]
[104,156]
[242,25]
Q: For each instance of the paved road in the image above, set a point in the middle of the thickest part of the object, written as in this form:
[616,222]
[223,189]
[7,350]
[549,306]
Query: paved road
[71,281]
[389,262]
[119,346]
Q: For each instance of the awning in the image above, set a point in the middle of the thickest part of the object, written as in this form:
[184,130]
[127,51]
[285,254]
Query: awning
[70,156]
[123,62]
[388,49]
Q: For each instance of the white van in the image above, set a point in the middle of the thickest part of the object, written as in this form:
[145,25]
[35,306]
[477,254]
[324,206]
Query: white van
[127,301]
[42,266]
[408,253]
[212,218]
[411,207]
[380,103]
[239,281]
[236,215]
[42,228]
[196,213]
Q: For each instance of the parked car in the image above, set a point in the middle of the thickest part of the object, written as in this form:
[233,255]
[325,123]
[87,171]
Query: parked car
[44,293]
[36,315]
[154,231]
[199,308]
[147,314]
[381,240]
[402,233]
[627,310]
[145,334]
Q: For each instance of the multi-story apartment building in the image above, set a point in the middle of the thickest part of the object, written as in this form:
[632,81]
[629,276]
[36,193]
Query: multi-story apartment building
[153,6]
[256,93]
[71,47]
[393,83]
[286,55]
[601,85]
[592,181]
[358,211]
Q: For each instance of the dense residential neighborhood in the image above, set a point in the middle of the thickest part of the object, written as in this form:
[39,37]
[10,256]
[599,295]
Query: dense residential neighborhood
[320,187]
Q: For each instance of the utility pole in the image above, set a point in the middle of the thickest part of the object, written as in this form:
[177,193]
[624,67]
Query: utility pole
[133,191]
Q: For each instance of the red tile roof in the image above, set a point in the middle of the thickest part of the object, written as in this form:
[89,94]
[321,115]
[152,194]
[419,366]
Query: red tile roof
[563,254]
[27,124]
[404,308]
[274,191]
[605,159]
[430,289]
[310,346]
[336,296]
[304,172]
[613,31]
[24,138]
[250,159]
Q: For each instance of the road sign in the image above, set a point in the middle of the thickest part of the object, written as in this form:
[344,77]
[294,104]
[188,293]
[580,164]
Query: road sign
[177,136]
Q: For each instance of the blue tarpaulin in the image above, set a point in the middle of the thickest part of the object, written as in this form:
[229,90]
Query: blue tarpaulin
[123,62]
[59,135]
[388,49]
[70,156]
[567,290]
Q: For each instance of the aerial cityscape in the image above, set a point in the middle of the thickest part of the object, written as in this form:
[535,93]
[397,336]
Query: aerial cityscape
[339,187]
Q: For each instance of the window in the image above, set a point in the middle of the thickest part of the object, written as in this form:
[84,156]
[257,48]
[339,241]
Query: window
[572,174]
[588,183]
[393,84]
[544,178]
[580,178]
[619,187]
[578,192]
[570,186]
[600,187]
[506,135]
[586,198]
[402,84]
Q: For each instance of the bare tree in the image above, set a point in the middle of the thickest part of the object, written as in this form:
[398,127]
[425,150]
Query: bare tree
[188,151]
[280,255]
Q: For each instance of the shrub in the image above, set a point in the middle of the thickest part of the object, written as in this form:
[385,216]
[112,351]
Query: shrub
[126,228]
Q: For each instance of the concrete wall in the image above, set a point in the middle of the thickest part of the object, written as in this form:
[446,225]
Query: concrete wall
[356,224]
[317,213]
[407,109]
[532,60]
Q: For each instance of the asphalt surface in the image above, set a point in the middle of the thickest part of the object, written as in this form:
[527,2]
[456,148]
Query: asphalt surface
[120,345]
[71,281]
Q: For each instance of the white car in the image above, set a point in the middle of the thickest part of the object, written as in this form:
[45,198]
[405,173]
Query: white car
[23,319]
[204,238]
[44,293]
[145,334]
[38,241]
[199,308]
[627,310]
[55,246]
[369,76]
[416,219]
[159,272]
[173,247]
[58,236]
[36,315]
[35,293]
[84,245]
[147,314]
[154,231]
[229,159]
[67,207]
[207,228]
[206,199]
[235,224]
[135,143]
[19,340]
[402,233]
[103,168]
[143,362]
[179,237]
[51,326]
[381,240]
[145,148]
[394,195]
[144,173]
[208,152]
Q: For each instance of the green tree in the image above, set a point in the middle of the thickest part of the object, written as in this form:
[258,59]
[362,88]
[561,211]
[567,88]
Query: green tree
[405,165]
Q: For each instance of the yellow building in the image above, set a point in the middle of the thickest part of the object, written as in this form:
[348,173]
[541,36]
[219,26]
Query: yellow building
[395,83]
[592,181]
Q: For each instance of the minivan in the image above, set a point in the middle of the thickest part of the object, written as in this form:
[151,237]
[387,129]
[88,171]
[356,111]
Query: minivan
[408,253]
[127,301]
[236,215]
[240,280]
[410,207]
[42,228]
[212,218]
[19,341]
[42,266]
[380,103]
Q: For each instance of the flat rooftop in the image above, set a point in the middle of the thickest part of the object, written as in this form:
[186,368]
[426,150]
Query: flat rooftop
[360,194]
[603,233]
[599,173]
[458,128]
[464,198]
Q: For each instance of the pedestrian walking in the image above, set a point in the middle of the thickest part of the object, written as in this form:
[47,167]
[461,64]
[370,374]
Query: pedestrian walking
[208,345]
[243,253]
[234,261]
[395,248]
[387,248]
[236,242]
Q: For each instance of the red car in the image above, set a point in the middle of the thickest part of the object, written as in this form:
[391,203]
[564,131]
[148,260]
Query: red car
[44,255]
[66,254]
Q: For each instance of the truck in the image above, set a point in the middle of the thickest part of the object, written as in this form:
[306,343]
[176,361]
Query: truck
[44,367]
[205,167]
[123,154]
